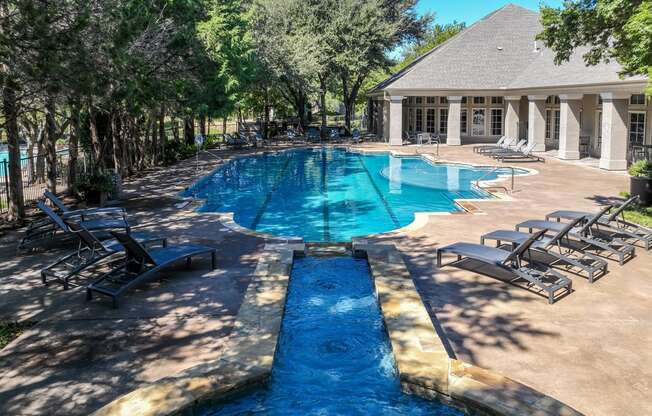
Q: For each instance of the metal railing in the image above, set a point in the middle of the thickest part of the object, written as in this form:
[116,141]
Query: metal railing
[34,171]
[496,186]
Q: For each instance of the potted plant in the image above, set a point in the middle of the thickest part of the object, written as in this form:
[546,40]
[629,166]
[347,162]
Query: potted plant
[95,188]
[640,184]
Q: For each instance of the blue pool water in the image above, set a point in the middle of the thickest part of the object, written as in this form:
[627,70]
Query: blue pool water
[334,355]
[326,194]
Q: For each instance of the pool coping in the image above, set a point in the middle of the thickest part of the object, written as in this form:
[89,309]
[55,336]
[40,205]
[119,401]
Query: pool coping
[424,366]
[467,205]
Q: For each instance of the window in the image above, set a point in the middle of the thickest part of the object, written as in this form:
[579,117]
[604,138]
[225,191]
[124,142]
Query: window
[410,119]
[418,100]
[497,122]
[477,123]
[548,118]
[637,99]
[419,126]
[496,100]
[553,99]
[410,100]
[443,120]
[430,120]
[599,99]
[443,100]
[636,128]
[431,100]
[557,124]
[478,100]
[465,100]
[463,121]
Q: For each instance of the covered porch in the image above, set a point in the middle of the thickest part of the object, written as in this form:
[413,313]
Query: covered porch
[614,126]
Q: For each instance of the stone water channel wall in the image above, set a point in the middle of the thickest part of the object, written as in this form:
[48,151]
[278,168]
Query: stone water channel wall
[425,367]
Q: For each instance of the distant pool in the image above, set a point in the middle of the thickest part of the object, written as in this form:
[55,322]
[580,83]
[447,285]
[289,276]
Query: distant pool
[328,194]
[333,355]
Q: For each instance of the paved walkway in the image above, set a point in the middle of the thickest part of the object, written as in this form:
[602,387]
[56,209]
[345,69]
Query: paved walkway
[588,350]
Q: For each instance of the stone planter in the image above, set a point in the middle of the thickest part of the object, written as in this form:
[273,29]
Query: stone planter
[643,188]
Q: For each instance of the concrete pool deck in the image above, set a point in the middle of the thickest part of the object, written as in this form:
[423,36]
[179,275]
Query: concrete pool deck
[587,350]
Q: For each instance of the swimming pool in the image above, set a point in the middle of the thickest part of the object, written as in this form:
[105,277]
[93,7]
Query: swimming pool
[334,355]
[330,194]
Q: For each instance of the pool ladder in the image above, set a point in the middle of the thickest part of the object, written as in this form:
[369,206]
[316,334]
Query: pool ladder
[496,186]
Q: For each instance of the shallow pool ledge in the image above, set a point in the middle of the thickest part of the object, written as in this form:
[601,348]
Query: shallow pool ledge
[424,366]
[248,353]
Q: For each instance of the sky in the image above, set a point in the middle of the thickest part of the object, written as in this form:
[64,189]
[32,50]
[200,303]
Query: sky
[469,11]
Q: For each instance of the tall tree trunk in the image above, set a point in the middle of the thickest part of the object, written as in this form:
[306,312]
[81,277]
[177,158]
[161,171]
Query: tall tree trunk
[51,143]
[224,125]
[175,129]
[10,107]
[162,136]
[153,150]
[322,100]
[202,125]
[73,143]
[118,158]
[189,131]
[96,143]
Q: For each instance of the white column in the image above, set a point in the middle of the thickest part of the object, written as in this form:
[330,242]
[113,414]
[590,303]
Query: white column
[396,120]
[569,126]
[512,117]
[453,136]
[537,122]
[385,119]
[614,131]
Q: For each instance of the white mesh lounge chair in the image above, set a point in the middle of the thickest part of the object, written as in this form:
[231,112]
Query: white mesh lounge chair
[542,278]
[556,246]
[586,237]
[524,154]
[498,145]
[90,251]
[613,222]
[515,147]
[141,265]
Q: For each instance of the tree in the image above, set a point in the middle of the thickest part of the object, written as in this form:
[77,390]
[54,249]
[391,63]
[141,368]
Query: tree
[611,29]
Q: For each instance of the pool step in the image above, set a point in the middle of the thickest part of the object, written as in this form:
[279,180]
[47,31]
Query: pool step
[328,249]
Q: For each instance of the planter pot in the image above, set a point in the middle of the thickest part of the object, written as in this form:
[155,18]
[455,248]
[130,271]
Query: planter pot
[641,187]
[96,197]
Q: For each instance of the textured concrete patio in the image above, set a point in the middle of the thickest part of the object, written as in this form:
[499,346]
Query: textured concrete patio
[588,350]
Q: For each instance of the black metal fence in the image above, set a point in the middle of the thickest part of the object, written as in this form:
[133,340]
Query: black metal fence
[34,171]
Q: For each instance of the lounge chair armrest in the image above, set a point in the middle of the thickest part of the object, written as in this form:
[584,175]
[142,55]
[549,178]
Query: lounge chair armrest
[94,211]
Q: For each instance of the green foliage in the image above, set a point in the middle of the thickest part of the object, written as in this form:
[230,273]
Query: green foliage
[641,169]
[97,182]
[176,151]
[611,29]
[641,215]
[12,330]
[435,37]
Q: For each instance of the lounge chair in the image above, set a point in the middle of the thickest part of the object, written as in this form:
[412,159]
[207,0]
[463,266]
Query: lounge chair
[614,222]
[313,135]
[585,236]
[140,265]
[543,278]
[497,145]
[507,144]
[556,246]
[91,250]
[56,227]
[356,137]
[67,212]
[524,154]
[505,150]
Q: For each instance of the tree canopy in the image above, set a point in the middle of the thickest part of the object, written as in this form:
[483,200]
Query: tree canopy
[611,29]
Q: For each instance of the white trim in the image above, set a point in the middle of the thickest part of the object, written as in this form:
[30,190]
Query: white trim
[608,96]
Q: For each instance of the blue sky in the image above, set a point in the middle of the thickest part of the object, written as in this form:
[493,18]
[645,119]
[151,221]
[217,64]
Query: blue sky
[469,11]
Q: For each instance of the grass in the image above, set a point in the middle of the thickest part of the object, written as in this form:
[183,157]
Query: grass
[11,330]
[640,215]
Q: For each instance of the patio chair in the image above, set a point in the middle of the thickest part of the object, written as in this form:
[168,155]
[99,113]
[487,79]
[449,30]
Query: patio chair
[614,222]
[506,144]
[141,265]
[498,144]
[56,227]
[556,246]
[524,154]
[313,136]
[356,137]
[586,237]
[506,149]
[543,278]
[90,251]
[67,212]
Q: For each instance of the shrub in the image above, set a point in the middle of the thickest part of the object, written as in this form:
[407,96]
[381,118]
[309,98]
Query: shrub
[97,182]
[175,151]
[641,169]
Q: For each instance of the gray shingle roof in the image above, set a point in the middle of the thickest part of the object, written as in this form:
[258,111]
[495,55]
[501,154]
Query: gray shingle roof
[497,52]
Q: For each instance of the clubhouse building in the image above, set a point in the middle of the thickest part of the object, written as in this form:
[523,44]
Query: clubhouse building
[494,79]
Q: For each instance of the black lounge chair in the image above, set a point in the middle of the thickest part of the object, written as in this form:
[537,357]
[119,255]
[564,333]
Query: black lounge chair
[543,278]
[67,212]
[90,251]
[56,227]
[614,223]
[586,237]
[557,246]
[141,265]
